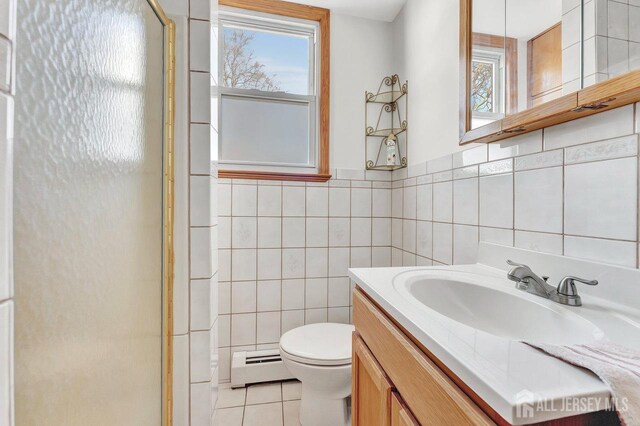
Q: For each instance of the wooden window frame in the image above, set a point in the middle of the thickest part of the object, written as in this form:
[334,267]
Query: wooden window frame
[309,13]
[603,96]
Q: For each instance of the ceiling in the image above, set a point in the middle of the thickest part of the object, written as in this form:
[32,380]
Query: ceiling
[381,10]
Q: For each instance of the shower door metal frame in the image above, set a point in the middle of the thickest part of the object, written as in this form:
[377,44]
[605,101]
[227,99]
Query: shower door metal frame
[168,210]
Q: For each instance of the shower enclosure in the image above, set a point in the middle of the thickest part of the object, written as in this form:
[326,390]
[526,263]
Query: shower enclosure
[93,212]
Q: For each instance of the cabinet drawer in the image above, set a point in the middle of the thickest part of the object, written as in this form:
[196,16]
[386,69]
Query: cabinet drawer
[430,395]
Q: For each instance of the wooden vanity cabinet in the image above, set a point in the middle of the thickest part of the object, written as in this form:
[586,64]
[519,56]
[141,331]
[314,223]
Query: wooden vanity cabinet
[371,393]
[400,414]
[373,401]
[397,382]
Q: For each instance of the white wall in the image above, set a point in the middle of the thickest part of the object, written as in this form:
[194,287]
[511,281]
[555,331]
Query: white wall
[425,44]
[360,58]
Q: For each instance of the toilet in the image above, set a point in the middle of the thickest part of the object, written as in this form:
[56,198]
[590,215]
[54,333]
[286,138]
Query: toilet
[319,355]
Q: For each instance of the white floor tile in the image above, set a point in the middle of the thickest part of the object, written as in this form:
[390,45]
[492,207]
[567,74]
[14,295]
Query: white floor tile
[228,397]
[291,411]
[263,415]
[263,393]
[228,416]
[291,390]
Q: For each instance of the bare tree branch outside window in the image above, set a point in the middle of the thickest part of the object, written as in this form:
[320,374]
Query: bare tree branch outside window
[241,69]
[482,82]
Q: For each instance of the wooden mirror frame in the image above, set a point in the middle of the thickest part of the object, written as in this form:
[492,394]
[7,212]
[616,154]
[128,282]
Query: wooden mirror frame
[603,96]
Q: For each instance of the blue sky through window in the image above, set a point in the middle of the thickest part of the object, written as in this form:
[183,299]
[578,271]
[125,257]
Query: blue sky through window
[285,57]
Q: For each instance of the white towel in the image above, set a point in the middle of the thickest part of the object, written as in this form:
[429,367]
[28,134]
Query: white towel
[617,366]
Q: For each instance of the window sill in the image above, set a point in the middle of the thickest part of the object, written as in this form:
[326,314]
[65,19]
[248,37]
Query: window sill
[259,175]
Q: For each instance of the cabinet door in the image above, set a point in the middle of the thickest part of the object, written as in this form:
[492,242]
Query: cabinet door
[432,396]
[371,393]
[400,415]
[544,66]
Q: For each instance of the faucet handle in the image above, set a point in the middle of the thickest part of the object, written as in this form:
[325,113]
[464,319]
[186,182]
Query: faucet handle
[512,263]
[567,285]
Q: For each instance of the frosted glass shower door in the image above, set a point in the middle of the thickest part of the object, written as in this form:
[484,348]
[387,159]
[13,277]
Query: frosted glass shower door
[89,213]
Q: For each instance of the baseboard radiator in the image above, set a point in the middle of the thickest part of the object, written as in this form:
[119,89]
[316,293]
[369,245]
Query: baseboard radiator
[257,367]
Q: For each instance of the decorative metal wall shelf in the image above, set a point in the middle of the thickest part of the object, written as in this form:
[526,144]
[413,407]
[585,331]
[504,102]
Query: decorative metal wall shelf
[386,141]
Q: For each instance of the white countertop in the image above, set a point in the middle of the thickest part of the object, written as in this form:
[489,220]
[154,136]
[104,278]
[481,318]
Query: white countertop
[509,375]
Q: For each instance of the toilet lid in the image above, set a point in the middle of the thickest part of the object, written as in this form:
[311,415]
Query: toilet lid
[319,344]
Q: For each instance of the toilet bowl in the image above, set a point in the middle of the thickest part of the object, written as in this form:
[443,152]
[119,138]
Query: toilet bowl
[319,355]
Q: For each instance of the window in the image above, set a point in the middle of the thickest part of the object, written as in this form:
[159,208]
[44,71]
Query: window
[487,76]
[270,86]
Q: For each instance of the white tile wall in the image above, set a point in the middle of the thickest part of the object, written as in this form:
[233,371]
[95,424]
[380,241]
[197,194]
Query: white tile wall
[7,18]
[443,201]
[200,149]
[200,356]
[609,251]
[497,236]
[303,238]
[601,199]
[611,39]
[538,200]
[465,201]
[496,201]
[201,404]
[203,310]
[269,201]
[5,65]
[538,241]
[200,98]
[199,9]
[244,200]
[443,242]
[577,197]
[201,255]
[606,125]
[465,244]
[424,202]
[571,27]
[201,298]
[200,36]
[181,389]
[317,201]
[7,39]
[470,157]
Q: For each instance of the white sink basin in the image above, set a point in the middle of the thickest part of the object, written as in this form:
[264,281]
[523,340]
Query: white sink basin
[476,301]
[474,320]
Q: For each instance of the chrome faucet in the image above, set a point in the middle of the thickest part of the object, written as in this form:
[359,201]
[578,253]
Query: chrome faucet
[566,293]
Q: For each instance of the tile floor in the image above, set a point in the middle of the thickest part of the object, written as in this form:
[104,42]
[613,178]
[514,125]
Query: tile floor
[269,404]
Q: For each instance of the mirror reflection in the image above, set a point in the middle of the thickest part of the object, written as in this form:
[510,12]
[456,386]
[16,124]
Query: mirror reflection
[547,53]
[488,90]
[611,38]
[529,52]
